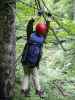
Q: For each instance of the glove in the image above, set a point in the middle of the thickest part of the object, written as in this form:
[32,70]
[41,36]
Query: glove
[41,12]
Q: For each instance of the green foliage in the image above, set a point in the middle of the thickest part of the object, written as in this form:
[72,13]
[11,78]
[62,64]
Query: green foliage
[55,64]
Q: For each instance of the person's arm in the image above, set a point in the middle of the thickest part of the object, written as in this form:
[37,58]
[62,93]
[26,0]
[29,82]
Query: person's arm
[29,29]
[47,23]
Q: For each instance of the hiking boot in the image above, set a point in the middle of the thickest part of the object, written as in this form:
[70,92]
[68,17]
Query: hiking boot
[25,93]
[40,93]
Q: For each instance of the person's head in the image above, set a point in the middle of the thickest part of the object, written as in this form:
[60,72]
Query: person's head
[41,29]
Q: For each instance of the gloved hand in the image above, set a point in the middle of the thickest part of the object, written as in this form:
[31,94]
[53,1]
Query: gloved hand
[41,12]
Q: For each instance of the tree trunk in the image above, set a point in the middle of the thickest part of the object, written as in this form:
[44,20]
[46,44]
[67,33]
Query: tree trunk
[7,48]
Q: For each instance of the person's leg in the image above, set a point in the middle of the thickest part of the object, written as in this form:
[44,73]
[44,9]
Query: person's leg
[36,82]
[25,83]
[35,78]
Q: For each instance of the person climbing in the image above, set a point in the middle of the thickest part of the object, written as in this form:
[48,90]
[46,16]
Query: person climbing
[31,56]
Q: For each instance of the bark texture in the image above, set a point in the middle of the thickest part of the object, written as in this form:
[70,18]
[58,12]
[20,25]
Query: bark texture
[7,48]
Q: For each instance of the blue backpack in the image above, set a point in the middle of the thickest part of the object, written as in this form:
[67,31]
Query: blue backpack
[32,50]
